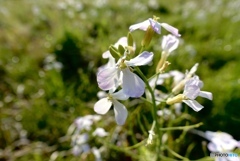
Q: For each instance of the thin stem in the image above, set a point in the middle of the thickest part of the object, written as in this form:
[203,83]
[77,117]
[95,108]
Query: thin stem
[176,154]
[141,50]
[182,127]
[154,110]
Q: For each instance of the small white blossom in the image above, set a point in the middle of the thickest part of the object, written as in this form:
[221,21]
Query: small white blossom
[150,137]
[104,105]
[100,132]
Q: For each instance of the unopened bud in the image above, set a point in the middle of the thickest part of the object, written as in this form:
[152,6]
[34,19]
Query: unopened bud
[148,37]
[162,61]
[177,99]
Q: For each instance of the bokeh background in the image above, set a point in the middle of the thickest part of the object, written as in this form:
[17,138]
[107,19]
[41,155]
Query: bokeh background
[50,52]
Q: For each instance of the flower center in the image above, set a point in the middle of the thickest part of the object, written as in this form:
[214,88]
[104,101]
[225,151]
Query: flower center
[110,98]
[122,65]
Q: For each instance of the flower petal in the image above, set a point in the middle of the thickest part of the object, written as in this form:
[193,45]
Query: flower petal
[155,25]
[193,69]
[120,95]
[205,94]
[120,111]
[142,26]
[169,43]
[213,147]
[132,85]
[102,106]
[108,78]
[191,91]
[171,29]
[142,59]
[122,41]
[193,104]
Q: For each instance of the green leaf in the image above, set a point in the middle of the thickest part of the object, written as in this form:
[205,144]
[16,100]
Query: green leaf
[121,49]
[130,39]
[114,51]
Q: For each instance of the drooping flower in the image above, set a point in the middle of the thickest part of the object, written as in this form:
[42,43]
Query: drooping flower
[190,93]
[132,84]
[156,26]
[120,111]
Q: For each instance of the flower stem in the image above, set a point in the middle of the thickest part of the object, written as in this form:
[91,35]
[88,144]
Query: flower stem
[154,112]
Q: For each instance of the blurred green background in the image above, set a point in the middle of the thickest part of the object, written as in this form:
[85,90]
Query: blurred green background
[40,97]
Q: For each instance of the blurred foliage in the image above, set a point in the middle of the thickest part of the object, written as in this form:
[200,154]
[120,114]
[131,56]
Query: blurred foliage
[37,104]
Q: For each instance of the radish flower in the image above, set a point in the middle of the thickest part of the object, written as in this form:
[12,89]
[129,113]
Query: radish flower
[132,84]
[120,111]
[156,26]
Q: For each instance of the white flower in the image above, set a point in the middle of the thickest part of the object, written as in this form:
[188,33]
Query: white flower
[150,137]
[107,55]
[132,84]
[221,142]
[156,26]
[192,91]
[97,154]
[85,122]
[80,145]
[104,104]
[100,132]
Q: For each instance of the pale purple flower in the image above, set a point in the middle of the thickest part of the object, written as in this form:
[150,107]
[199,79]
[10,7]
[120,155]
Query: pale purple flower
[80,145]
[221,142]
[85,122]
[169,43]
[132,84]
[120,111]
[156,26]
[192,91]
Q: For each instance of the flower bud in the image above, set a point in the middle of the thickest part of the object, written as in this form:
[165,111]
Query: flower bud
[177,99]
[148,37]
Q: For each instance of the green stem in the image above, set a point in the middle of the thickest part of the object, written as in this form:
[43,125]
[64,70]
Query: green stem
[141,50]
[182,127]
[154,111]
[176,154]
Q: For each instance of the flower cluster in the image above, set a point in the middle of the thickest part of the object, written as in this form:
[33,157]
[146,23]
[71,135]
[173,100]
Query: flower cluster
[79,132]
[119,80]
